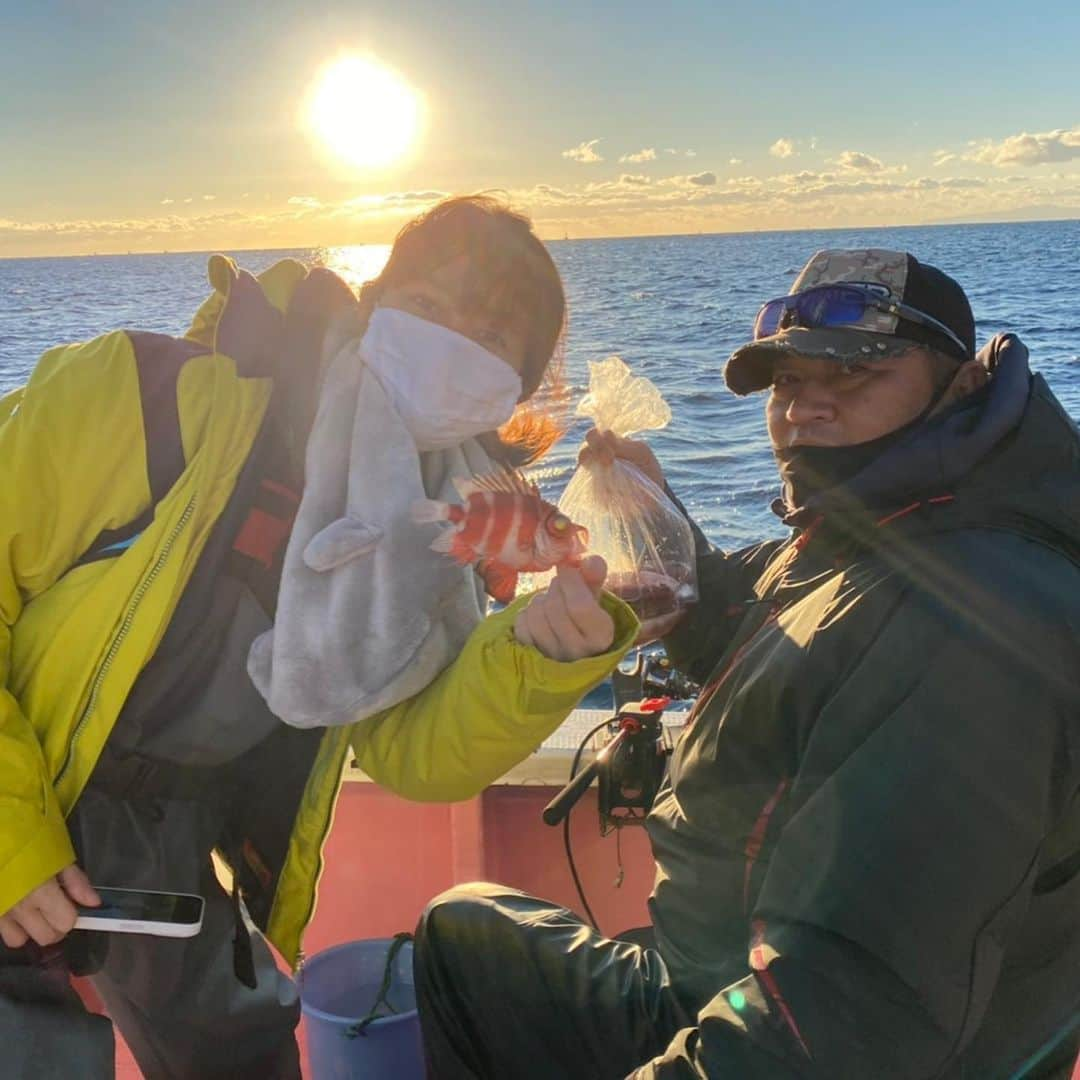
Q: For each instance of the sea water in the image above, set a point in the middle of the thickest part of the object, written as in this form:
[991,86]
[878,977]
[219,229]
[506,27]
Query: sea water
[673,307]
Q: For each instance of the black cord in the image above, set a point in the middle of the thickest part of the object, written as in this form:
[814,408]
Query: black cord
[566,826]
[360,1027]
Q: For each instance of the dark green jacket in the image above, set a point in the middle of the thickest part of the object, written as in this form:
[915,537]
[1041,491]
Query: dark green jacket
[868,844]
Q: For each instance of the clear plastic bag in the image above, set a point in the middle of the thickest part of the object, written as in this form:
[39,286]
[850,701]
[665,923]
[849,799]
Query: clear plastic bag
[645,540]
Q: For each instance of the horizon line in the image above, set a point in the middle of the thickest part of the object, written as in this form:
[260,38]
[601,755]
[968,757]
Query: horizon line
[565,239]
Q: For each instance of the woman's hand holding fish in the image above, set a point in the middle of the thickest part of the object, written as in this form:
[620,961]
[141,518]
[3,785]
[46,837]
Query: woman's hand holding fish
[604,447]
[566,622]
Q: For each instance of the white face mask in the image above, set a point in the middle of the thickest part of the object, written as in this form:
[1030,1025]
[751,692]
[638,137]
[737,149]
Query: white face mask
[445,387]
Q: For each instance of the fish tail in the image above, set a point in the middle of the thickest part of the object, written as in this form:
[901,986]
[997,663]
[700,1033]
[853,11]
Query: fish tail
[444,541]
[461,549]
[449,542]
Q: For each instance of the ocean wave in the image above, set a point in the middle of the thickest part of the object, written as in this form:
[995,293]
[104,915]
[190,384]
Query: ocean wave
[672,307]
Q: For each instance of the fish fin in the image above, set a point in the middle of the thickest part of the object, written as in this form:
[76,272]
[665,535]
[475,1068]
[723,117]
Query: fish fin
[444,542]
[509,481]
[465,486]
[426,511]
[500,580]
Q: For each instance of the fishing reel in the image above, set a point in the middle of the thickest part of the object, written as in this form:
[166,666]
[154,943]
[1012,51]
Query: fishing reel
[651,676]
[630,767]
[634,765]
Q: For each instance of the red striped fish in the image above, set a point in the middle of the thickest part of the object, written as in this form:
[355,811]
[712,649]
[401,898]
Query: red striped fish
[506,527]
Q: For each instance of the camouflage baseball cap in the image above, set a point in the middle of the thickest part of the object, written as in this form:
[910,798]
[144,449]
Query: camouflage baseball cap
[895,276]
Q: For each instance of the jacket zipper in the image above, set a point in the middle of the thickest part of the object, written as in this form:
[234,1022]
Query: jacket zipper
[121,634]
[301,957]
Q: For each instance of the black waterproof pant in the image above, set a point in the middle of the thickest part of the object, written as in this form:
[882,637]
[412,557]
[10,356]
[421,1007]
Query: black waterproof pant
[178,1002]
[45,1030]
[512,986]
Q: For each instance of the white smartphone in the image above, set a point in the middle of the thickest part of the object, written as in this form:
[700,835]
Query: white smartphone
[137,911]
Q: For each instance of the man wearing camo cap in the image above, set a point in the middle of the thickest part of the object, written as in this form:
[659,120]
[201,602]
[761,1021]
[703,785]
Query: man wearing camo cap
[868,844]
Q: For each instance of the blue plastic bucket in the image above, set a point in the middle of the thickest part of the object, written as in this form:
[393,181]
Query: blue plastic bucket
[339,986]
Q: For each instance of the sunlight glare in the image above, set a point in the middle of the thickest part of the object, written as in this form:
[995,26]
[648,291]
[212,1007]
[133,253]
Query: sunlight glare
[355,263]
[363,112]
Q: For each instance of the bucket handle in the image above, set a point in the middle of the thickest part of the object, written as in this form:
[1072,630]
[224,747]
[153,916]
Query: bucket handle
[360,1027]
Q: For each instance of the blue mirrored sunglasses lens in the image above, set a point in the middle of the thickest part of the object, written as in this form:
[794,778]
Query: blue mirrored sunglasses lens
[832,307]
[815,308]
[768,319]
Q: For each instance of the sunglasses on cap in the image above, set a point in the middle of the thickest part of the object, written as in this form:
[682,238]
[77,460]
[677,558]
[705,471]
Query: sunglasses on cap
[828,306]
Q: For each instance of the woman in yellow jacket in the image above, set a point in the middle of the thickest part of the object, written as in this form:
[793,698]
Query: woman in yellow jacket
[148,484]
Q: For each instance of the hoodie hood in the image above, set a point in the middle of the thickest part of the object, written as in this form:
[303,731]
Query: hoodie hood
[1006,456]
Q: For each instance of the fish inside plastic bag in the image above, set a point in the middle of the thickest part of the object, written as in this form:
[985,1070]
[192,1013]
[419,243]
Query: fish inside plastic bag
[644,538]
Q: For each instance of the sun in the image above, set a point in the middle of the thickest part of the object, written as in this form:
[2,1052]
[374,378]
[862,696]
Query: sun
[363,112]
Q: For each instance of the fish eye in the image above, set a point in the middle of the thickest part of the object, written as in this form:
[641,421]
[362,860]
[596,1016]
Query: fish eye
[559,523]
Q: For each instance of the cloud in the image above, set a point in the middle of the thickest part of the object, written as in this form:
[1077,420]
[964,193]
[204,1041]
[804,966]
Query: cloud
[632,204]
[800,199]
[1038,149]
[122,227]
[546,191]
[167,202]
[585,153]
[304,221]
[645,154]
[782,148]
[397,202]
[415,196]
[963,183]
[691,153]
[854,161]
[840,187]
[209,198]
[735,161]
[809,177]
[685,186]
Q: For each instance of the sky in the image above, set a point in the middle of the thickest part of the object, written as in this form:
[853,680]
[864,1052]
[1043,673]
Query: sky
[156,126]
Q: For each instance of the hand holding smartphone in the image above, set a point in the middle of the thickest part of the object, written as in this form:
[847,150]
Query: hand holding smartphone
[139,911]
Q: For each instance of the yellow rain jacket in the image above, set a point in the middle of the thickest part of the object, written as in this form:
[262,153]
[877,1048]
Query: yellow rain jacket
[84,453]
